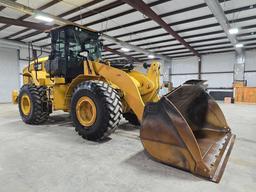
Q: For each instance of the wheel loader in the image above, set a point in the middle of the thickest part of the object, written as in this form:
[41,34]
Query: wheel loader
[184,128]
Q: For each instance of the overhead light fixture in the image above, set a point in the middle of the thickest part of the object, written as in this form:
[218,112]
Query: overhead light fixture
[151,56]
[239,45]
[44,18]
[124,49]
[233,31]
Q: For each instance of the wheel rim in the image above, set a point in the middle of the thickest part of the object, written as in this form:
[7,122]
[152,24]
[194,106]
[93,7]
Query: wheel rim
[25,104]
[86,111]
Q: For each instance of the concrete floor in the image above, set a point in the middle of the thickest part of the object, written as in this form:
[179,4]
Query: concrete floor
[53,157]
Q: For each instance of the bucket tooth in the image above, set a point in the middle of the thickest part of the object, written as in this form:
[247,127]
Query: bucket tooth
[187,129]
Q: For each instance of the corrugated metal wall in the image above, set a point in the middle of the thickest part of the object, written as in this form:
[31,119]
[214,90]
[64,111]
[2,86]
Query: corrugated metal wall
[216,68]
[250,68]
[9,70]
[184,69]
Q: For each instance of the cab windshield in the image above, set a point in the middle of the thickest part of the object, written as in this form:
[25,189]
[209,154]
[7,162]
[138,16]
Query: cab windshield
[80,40]
[71,41]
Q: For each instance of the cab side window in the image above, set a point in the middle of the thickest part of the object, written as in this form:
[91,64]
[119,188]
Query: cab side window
[59,43]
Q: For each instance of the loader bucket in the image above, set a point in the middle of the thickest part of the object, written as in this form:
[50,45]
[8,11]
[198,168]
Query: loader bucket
[187,129]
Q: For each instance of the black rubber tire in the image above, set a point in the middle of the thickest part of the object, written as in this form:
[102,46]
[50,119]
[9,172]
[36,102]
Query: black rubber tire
[108,109]
[39,112]
[131,118]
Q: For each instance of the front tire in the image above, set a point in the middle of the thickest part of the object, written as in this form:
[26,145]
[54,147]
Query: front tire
[96,110]
[33,104]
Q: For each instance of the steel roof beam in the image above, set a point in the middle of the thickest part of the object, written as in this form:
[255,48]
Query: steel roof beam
[146,10]
[176,23]
[77,9]
[130,58]
[219,14]
[190,8]
[155,3]
[3,7]
[51,3]
[30,11]
[28,24]
[61,21]
[61,15]
[190,20]
[96,11]
[42,28]
[192,29]
[81,16]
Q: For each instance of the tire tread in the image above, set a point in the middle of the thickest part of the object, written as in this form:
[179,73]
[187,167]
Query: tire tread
[38,98]
[112,104]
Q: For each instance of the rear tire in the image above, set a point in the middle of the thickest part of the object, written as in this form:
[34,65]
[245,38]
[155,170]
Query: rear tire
[37,111]
[108,109]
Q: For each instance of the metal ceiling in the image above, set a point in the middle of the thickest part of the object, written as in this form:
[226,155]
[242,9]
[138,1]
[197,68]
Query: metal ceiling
[191,20]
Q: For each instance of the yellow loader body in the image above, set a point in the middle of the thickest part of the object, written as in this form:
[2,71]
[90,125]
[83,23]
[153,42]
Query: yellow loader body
[185,128]
[136,88]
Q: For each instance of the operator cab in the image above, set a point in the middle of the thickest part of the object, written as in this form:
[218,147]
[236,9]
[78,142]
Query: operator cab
[70,46]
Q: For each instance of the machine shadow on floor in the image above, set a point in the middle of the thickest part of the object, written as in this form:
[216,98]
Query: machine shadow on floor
[144,163]
[59,119]
[61,125]
[64,120]
[128,127]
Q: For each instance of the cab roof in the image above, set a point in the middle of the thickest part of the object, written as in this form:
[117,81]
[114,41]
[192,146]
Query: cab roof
[72,26]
